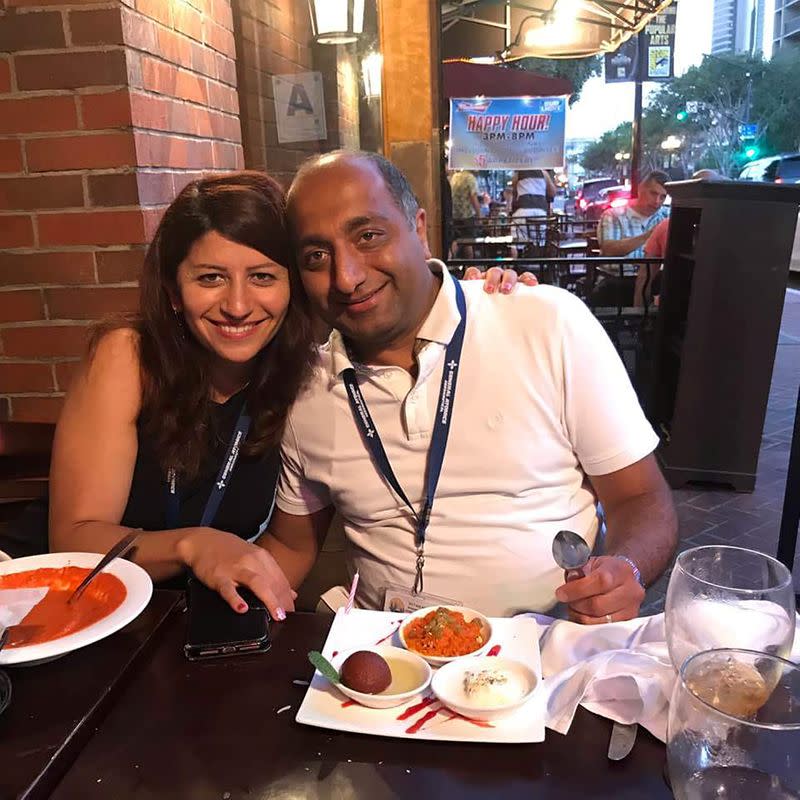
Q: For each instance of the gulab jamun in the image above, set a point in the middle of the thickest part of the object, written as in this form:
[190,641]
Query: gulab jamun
[366,672]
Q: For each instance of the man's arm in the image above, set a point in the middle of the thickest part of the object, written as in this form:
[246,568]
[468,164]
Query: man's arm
[642,526]
[294,540]
[622,247]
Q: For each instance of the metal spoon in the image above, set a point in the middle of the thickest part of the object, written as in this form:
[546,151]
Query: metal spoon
[119,549]
[571,552]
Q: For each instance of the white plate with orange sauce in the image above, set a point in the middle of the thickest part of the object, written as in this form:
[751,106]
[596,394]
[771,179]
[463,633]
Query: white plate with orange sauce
[106,611]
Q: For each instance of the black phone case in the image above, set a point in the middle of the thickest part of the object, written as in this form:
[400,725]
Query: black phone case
[215,630]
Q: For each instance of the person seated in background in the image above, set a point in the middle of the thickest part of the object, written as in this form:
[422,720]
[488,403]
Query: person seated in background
[623,232]
[656,247]
[470,516]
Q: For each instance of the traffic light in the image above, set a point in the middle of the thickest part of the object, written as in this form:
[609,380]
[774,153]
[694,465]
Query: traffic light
[751,152]
[681,116]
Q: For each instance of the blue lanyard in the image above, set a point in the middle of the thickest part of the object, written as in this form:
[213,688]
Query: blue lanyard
[444,415]
[220,485]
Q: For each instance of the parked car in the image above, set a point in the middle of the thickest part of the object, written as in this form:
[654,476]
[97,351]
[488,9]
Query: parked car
[784,168]
[774,169]
[588,192]
[610,197]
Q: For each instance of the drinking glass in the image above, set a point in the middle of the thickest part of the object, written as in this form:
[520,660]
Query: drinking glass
[734,728]
[721,596]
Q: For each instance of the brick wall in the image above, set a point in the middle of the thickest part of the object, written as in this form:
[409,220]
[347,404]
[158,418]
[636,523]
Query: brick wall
[106,111]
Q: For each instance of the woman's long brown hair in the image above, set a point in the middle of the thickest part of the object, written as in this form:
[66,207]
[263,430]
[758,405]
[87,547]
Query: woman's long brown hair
[176,416]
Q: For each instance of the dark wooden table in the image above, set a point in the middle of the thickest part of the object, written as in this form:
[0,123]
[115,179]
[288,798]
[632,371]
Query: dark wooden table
[55,707]
[211,730]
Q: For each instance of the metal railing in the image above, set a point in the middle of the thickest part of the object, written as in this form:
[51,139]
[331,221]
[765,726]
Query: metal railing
[605,284]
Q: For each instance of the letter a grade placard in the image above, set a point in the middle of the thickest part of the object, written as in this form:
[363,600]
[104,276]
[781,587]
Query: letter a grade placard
[299,107]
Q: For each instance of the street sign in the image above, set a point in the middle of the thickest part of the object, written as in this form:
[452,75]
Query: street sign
[748,131]
[692,106]
[622,66]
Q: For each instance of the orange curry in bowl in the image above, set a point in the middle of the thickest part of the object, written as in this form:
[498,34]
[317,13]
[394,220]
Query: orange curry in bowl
[51,618]
[444,633]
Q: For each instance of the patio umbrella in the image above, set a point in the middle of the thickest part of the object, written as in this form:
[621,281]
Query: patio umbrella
[467,79]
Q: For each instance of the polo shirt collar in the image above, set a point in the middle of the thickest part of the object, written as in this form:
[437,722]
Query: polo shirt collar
[439,326]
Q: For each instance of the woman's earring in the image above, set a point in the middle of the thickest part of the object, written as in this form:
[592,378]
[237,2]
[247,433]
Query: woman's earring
[179,319]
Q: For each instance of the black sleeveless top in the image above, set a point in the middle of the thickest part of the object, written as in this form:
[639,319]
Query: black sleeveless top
[248,498]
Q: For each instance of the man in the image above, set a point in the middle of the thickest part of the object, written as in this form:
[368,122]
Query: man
[624,232]
[542,421]
[656,245]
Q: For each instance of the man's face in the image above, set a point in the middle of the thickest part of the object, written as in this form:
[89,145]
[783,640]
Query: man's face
[361,263]
[651,197]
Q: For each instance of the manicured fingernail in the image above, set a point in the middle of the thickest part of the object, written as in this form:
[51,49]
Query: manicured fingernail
[280,614]
[490,289]
[241,607]
[506,287]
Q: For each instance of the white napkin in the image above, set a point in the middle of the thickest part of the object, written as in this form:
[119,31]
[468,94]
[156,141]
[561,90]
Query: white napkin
[621,671]
[16,603]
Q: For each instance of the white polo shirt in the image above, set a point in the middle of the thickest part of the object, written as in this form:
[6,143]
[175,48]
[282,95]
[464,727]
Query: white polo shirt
[542,401]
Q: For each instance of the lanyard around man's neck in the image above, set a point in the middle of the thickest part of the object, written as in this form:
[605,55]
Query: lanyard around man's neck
[438,446]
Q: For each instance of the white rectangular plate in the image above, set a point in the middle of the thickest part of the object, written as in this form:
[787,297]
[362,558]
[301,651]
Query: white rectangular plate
[323,707]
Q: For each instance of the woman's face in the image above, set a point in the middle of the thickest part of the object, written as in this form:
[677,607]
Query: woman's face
[232,297]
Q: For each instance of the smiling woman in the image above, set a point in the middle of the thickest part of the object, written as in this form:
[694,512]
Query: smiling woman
[174,422]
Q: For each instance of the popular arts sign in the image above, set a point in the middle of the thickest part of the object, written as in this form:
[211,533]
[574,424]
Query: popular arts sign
[507,132]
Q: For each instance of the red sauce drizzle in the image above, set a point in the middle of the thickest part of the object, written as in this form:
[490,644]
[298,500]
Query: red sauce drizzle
[51,618]
[480,723]
[495,651]
[389,635]
[334,654]
[417,707]
[415,728]
[348,703]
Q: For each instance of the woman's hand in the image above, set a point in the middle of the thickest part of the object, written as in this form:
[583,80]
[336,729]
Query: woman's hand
[223,561]
[496,278]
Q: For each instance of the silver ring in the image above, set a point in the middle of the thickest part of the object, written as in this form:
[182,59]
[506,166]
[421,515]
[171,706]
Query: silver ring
[608,618]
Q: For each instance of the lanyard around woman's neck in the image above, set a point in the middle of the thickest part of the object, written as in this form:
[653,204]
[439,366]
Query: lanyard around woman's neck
[220,486]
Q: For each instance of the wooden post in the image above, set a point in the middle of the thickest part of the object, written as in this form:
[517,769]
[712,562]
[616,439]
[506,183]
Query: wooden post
[409,34]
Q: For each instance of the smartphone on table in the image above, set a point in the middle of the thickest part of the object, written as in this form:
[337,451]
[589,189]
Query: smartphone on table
[215,630]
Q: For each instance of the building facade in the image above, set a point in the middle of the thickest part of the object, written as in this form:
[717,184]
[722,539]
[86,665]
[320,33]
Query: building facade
[738,27]
[786,32]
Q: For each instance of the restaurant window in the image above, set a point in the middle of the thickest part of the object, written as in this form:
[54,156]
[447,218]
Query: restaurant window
[310,81]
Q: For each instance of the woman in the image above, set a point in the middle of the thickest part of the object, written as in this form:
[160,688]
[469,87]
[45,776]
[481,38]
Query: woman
[157,411]
[533,191]
[148,420]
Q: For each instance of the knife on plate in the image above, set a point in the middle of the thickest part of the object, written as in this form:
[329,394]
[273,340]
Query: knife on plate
[623,737]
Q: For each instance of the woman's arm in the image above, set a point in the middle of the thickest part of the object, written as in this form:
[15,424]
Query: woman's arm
[551,190]
[94,455]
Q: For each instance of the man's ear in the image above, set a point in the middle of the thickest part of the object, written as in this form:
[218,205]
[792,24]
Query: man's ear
[421,228]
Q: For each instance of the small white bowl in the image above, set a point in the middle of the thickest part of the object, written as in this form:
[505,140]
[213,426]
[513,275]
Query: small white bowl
[469,615]
[417,673]
[448,686]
